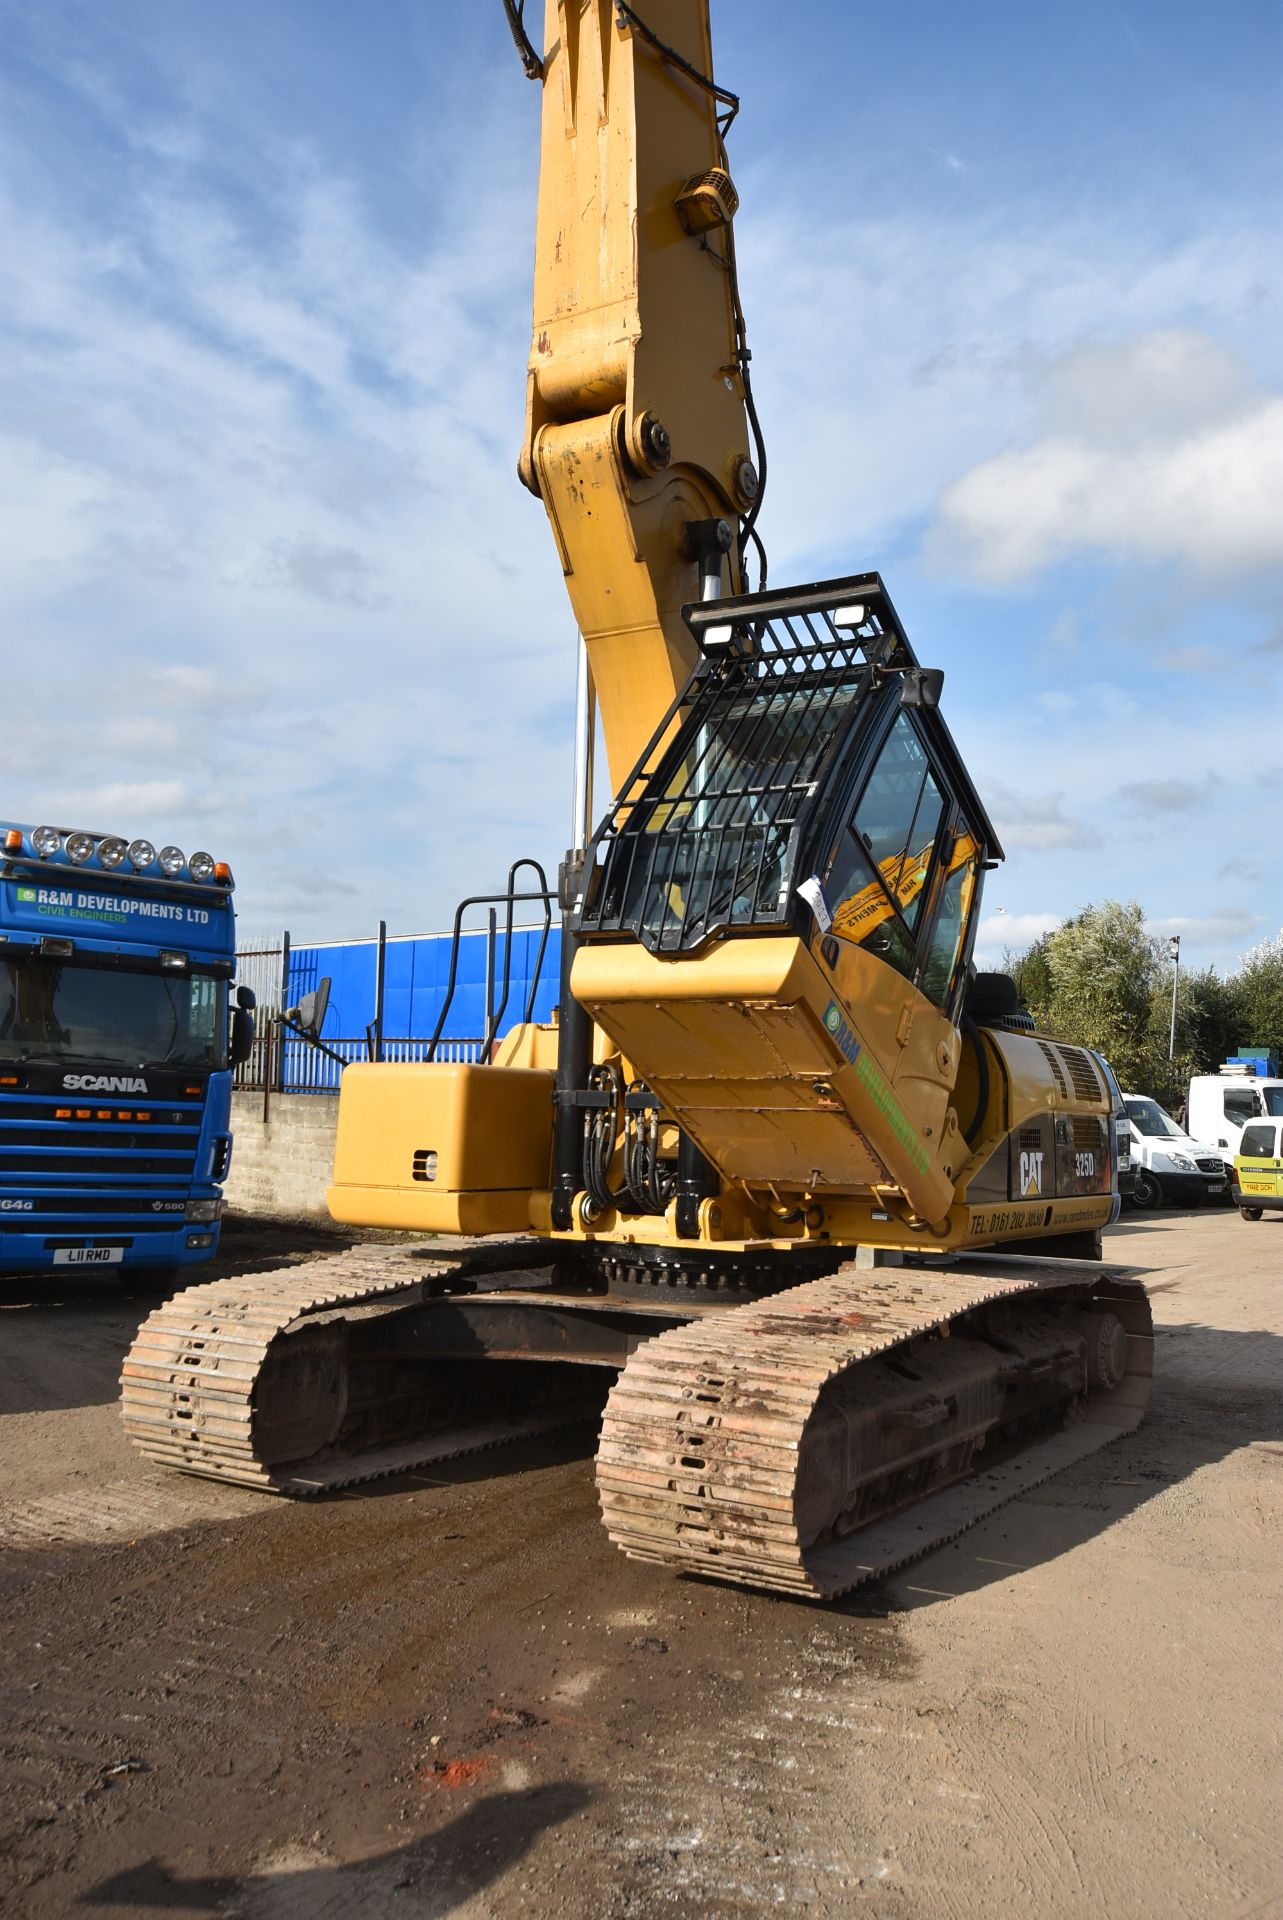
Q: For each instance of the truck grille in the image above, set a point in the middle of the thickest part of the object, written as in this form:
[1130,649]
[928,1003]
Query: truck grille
[44,1149]
[1209,1166]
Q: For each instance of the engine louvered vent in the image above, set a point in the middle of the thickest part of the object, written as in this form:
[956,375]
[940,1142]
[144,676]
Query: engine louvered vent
[1030,1139]
[1082,1071]
[1053,1061]
[1088,1133]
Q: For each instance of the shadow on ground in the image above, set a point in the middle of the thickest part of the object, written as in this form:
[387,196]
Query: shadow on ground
[429,1879]
[1214,1393]
[66,1333]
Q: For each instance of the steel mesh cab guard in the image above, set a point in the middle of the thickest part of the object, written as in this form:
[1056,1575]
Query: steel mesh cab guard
[732,803]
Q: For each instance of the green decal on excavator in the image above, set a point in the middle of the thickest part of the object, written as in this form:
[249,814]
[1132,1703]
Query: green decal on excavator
[898,1120]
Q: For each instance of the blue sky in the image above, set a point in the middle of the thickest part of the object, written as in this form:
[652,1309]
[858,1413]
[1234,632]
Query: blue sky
[268,582]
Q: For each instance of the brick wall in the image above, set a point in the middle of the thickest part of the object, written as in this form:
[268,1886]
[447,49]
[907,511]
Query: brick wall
[282,1166]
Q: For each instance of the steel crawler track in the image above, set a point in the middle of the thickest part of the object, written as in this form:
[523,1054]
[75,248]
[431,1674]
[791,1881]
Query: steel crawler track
[188,1381]
[704,1428]
[697,1465]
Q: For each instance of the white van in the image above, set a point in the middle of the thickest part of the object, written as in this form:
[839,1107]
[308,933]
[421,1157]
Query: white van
[1222,1104]
[1169,1165]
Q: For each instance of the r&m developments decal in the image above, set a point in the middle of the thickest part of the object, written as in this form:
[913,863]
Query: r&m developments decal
[108,909]
[841,1034]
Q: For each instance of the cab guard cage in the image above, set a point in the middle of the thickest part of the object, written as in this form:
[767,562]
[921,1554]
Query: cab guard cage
[707,835]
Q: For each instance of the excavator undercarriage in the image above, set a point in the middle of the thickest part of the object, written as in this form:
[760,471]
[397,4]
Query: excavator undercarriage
[805,1441]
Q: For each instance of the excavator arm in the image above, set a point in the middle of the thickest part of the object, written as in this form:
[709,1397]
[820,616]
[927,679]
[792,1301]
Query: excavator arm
[637,435]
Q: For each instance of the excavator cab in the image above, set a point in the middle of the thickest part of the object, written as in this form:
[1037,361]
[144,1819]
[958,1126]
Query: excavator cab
[799,782]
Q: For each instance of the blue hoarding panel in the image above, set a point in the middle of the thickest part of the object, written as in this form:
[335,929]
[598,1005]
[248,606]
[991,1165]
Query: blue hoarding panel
[416,974]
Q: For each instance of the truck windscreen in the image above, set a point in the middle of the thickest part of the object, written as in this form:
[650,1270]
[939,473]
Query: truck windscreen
[63,1013]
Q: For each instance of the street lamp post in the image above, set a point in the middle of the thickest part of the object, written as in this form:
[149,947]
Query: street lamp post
[1174,952]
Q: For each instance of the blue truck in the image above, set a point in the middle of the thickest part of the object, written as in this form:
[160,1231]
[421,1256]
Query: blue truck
[117,1040]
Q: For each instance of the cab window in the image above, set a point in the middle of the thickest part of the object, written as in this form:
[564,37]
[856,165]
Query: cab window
[957,896]
[1257,1143]
[1241,1104]
[899,816]
[861,907]
[877,876]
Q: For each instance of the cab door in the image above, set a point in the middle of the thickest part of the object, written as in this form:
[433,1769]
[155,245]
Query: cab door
[902,883]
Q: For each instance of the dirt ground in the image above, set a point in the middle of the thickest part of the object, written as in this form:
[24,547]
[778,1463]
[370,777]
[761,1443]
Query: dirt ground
[448,1695]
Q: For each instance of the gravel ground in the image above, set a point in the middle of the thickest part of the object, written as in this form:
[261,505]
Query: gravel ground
[448,1695]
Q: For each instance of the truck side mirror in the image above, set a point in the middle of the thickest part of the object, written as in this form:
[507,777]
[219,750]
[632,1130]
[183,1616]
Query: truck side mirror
[242,1042]
[246,998]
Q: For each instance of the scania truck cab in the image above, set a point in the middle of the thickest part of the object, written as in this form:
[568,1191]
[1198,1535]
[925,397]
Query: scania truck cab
[116,1049]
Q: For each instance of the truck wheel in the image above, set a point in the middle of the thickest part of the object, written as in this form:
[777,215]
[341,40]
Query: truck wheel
[1147,1193]
[144,1283]
[1251,1213]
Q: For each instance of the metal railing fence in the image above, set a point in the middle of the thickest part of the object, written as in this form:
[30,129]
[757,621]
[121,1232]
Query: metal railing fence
[280,972]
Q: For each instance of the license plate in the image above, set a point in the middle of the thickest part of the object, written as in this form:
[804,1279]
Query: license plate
[1216,1186]
[88,1256]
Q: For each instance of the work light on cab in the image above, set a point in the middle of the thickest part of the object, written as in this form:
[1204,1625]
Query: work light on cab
[201,866]
[80,847]
[171,861]
[47,841]
[111,852]
[141,854]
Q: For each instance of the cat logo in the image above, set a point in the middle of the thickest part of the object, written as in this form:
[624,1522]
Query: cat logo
[1030,1175]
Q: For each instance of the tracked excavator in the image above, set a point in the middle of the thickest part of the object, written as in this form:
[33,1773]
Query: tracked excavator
[803,1186]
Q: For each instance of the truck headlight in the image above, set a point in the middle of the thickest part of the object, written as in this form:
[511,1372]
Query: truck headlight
[47,841]
[80,848]
[171,860]
[204,1209]
[201,866]
[141,854]
[110,852]
[1179,1161]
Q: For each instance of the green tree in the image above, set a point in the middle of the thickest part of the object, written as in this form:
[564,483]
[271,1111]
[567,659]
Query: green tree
[1256,996]
[1093,983]
[1103,980]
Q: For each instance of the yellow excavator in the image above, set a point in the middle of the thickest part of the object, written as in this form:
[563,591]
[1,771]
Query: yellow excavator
[747,1167]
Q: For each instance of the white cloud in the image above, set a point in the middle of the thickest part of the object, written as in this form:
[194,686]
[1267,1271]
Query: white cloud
[1003,932]
[1168,796]
[1036,820]
[1157,450]
[1233,926]
[122,800]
